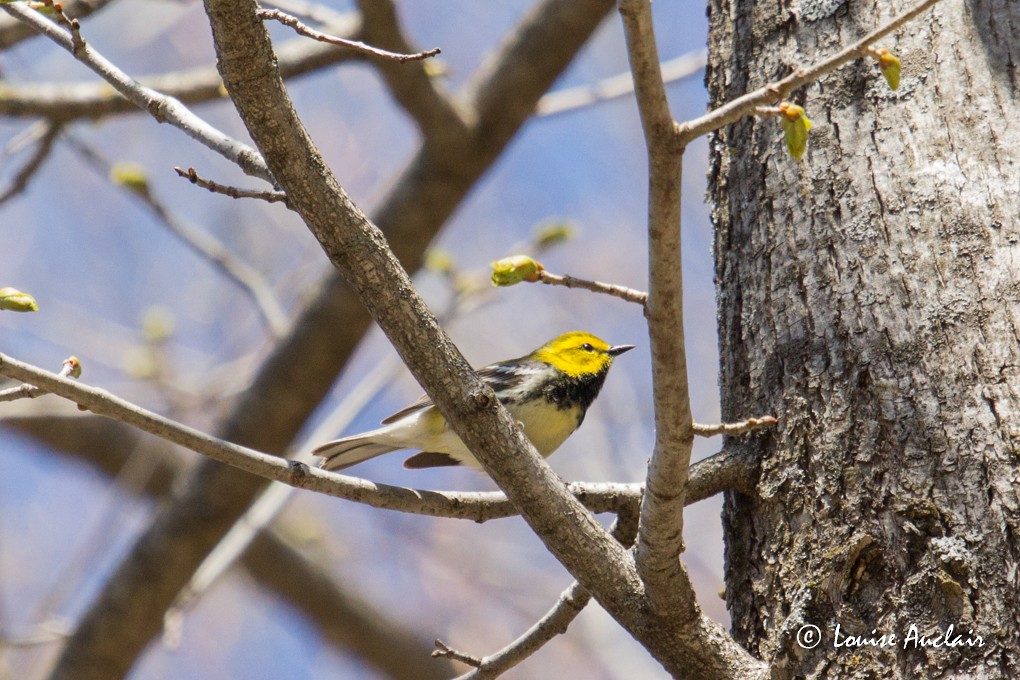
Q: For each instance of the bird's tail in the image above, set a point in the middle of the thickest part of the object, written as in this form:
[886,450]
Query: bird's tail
[343,453]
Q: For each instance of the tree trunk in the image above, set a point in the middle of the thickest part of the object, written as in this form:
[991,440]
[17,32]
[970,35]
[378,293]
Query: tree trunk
[868,298]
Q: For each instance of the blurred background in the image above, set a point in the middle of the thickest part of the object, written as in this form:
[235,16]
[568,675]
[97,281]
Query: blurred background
[160,325]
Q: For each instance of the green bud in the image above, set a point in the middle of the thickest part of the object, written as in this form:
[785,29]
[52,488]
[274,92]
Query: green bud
[13,300]
[512,270]
[131,176]
[890,66]
[795,128]
[73,367]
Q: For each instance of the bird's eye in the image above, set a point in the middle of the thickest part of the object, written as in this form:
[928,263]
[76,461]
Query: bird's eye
[587,347]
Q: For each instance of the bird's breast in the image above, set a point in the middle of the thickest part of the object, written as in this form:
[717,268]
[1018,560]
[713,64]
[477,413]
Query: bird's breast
[545,424]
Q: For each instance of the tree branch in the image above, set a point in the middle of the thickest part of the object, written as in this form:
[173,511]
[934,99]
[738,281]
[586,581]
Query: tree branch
[100,442]
[660,538]
[356,247]
[164,109]
[477,506]
[745,105]
[357,45]
[268,196]
[555,622]
[30,391]
[622,292]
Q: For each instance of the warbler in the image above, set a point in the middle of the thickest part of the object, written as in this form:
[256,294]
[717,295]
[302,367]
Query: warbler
[547,391]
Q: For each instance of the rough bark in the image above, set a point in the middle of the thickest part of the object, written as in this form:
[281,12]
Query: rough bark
[867,298]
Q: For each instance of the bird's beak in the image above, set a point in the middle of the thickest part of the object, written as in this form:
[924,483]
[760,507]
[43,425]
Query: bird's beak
[618,350]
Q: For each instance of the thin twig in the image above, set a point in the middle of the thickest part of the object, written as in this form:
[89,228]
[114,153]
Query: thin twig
[740,427]
[571,602]
[315,12]
[614,87]
[745,105]
[268,196]
[444,651]
[295,23]
[622,292]
[164,109]
[72,25]
[27,391]
[50,133]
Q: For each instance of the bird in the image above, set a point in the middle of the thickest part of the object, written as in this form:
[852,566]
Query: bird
[547,391]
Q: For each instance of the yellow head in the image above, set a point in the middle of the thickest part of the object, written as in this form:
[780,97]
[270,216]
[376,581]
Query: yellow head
[579,354]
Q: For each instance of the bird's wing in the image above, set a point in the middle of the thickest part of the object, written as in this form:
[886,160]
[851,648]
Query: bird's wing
[502,376]
[423,403]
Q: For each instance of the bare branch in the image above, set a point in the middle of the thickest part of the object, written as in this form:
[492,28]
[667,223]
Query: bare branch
[70,368]
[315,12]
[571,602]
[444,651]
[745,105]
[99,441]
[164,109]
[293,22]
[614,87]
[622,292]
[660,538]
[268,196]
[50,133]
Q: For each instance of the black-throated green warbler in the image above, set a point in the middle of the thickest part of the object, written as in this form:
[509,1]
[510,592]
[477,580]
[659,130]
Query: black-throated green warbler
[547,391]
